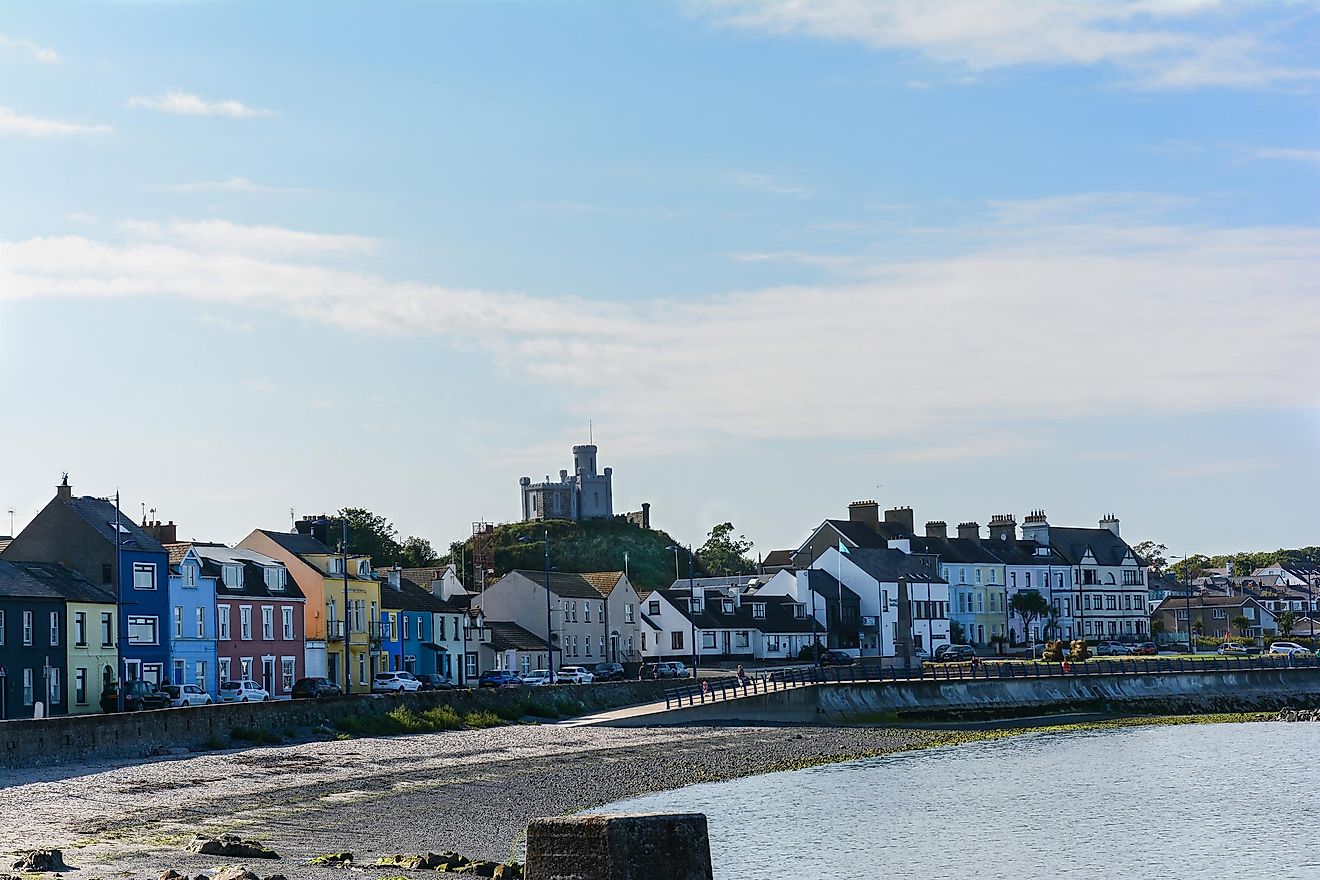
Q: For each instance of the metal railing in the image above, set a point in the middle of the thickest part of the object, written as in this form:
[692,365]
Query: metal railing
[731,687]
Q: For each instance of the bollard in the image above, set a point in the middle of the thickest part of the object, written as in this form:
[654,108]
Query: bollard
[645,846]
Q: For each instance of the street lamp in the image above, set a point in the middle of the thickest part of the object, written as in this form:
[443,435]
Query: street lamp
[692,602]
[549,616]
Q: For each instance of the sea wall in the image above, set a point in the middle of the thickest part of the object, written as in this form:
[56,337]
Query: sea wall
[137,734]
[1142,693]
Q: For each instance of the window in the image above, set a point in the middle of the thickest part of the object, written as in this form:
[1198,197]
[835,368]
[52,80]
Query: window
[406,628]
[201,622]
[233,576]
[946,572]
[54,628]
[1026,576]
[1111,602]
[643,641]
[978,575]
[471,665]
[27,627]
[27,687]
[440,629]
[741,639]
[143,630]
[980,602]
[726,605]
[800,611]
[54,681]
[1012,578]
[287,620]
[288,668]
[107,629]
[245,622]
[245,668]
[189,575]
[178,621]
[586,612]
[222,621]
[653,607]
[178,671]
[336,565]
[758,610]
[1220,614]
[588,641]
[267,622]
[222,667]
[144,576]
[80,686]
[199,670]
[1128,601]
[274,578]
[572,607]
[567,615]
[602,646]
[106,572]
[962,575]
[676,640]
[708,640]
[80,629]
[628,613]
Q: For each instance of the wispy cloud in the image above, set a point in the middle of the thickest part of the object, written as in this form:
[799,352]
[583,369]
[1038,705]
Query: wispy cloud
[35,51]
[181,103]
[1159,44]
[1084,313]
[1310,157]
[768,183]
[233,184]
[35,126]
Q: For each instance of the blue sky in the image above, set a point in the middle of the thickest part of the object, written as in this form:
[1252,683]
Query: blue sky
[974,257]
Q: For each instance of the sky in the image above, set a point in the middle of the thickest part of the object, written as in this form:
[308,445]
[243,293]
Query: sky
[973,257]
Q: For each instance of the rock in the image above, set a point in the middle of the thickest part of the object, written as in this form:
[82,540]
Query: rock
[200,877]
[332,860]
[235,872]
[480,868]
[231,846]
[277,877]
[508,871]
[39,861]
[172,874]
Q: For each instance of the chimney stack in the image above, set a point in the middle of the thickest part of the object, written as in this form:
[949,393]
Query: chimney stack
[1110,522]
[867,512]
[166,533]
[901,518]
[1003,527]
[64,491]
[1036,528]
[969,530]
[937,529]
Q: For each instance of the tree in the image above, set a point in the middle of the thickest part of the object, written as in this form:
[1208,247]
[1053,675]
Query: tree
[723,554]
[1242,624]
[957,633]
[417,553]
[1028,605]
[371,535]
[1287,620]
[1156,625]
[1154,555]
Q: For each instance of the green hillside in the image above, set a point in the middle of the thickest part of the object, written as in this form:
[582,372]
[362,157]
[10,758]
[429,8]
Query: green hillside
[595,545]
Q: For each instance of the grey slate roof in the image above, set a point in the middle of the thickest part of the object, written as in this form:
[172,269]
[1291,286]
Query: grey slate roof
[1072,544]
[411,596]
[576,585]
[887,566]
[1024,552]
[298,544]
[957,550]
[100,515]
[16,582]
[67,582]
[822,583]
[506,636]
[215,556]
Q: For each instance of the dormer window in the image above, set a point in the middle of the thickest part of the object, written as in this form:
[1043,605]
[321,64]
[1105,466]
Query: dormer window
[799,611]
[336,565]
[364,568]
[726,605]
[274,577]
[233,576]
[189,575]
[758,610]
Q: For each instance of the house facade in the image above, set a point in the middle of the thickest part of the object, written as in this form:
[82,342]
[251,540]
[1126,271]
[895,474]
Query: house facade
[412,618]
[1108,580]
[32,644]
[192,590]
[92,537]
[90,638]
[1213,616]
[976,580]
[259,618]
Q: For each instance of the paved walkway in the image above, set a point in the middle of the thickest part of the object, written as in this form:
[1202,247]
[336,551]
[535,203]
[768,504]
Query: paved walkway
[631,714]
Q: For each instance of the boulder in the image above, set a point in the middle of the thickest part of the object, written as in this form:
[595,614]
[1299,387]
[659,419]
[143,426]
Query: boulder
[508,871]
[39,861]
[235,872]
[172,874]
[231,846]
[332,860]
[479,868]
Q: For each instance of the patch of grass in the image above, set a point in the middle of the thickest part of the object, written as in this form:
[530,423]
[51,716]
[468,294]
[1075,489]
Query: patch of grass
[482,719]
[213,743]
[255,735]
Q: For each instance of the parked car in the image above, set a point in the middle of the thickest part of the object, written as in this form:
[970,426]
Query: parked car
[835,658]
[538,678]
[138,695]
[1112,649]
[434,681]
[187,695]
[395,683]
[1288,648]
[1232,648]
[243,691]
[574,675]
[954,653]
[1146,649]
[496,678]
[315,689]
[672,669]
[608,672]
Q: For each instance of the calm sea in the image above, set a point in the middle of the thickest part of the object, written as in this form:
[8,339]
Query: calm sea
[1190,802]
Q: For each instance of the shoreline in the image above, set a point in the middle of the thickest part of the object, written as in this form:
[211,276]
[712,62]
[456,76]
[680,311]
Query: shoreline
[469,791]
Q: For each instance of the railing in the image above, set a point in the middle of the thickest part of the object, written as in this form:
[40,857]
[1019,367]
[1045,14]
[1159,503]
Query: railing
[731,687]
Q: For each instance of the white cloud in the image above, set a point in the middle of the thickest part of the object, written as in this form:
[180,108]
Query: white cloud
[37,52]
[233,184]
[181,103]
[1165,44]
[768,184]
[1100,319]
[1310,157]
[34,126]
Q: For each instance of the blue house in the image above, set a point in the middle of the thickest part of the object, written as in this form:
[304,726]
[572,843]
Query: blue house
[90,536]
[408,621]
[192,620]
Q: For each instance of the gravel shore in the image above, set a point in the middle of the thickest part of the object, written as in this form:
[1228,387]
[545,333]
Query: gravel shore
[469,791]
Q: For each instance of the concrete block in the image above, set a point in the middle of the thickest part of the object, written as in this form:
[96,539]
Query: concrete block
[646,846]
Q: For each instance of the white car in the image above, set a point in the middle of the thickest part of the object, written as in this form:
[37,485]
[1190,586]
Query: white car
[187,695]
[537,678]
[574,675]
[243,691]
[395,683]
[1288,648]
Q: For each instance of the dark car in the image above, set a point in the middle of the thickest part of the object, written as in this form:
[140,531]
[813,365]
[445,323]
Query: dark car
[433,681]
[835,658]
[315,689]
[954,654]
[1146,649]
[646,671]
[499,678]
[607,672]
[138,695]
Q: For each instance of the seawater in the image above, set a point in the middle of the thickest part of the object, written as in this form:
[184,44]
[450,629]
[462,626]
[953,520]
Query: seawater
[1185,802]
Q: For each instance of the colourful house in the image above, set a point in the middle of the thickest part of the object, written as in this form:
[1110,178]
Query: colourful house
[192,586]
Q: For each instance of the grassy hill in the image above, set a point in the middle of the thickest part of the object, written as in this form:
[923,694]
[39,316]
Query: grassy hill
[595,545]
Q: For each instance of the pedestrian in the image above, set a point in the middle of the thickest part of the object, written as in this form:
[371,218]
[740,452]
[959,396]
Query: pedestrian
[742,676]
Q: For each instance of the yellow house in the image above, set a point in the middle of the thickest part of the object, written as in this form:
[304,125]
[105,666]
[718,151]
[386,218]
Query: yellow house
[333,600]
[90,635]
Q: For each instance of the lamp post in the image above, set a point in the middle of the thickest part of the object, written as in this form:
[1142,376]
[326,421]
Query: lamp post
[692,603]
[549,613]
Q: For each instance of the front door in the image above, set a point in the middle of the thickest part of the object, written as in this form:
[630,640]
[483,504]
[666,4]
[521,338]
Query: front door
[268,673]
[725,640]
